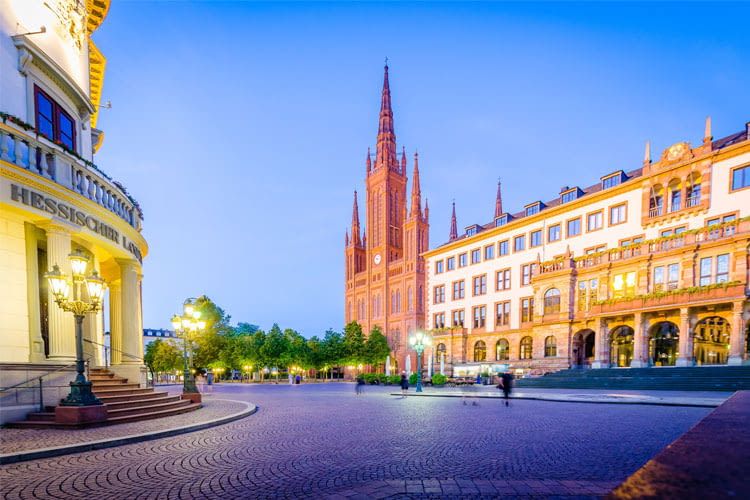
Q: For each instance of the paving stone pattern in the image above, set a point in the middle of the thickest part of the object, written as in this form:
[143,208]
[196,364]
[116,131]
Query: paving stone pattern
[322,441]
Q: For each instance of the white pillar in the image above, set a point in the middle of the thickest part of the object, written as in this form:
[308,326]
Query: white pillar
[132,332]
[685,357]
[62,342]
[640,343]
[737,336]
[36,342]
[115,323]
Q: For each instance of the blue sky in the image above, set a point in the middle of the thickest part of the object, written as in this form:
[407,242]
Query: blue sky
[242,127]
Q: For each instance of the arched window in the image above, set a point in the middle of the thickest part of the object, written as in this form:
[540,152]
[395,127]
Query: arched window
[502,350]
[420,299]
[552,301]
[656,201]
[527,348]
[480,351]
[621,346]
[441,352]
[693,190]
[663,343]
[711,341]
[675,195]
[410,299]
[550,347]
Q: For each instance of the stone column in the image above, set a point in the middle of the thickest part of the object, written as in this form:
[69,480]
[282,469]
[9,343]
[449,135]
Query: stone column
[62,342]
[685,357]
[33,273]
[89,325]
[601,344]
[132,332]
[115,322]
[737,337]
[640,342]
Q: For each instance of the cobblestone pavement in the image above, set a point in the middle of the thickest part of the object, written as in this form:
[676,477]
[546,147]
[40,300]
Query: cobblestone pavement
[322,441]
[18,440]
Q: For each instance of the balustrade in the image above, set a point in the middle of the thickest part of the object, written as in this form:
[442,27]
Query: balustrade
[43,158]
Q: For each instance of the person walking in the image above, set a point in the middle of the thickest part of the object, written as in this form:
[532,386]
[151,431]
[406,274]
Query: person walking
[404,384]
[209,381]
[298,380]
[506,384]
[360,384]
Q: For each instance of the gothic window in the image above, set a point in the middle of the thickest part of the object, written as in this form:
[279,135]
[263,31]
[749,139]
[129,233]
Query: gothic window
[552,301]
[480,351]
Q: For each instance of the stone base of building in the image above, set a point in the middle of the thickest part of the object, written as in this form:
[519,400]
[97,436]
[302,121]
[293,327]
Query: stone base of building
[599,364]
[639,364]
[684,362]
[135,373]
[735,361]
[193,397]
[80,415]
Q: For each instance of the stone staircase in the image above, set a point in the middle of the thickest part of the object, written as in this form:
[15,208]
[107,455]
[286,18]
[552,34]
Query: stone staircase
[699,378]
[125,402]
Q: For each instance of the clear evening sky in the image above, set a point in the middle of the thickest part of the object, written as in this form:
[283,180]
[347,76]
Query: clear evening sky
[242,128]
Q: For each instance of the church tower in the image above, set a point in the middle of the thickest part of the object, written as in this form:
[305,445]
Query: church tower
[385,275]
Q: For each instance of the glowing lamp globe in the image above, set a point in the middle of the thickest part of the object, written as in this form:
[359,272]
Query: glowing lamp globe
[95,287]
[189,309]
[58,283]
[196,314]
[176,322]
[78,263]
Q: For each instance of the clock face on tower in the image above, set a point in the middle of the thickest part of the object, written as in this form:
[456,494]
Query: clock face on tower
[377,259]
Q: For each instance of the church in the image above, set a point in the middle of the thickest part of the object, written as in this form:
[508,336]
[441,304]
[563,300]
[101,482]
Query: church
[384,269]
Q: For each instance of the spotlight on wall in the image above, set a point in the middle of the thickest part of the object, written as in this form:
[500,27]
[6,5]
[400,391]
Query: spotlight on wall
[42,29]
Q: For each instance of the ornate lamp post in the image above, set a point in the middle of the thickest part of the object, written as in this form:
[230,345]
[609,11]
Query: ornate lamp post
[184,326]
[70,298]
[419,341]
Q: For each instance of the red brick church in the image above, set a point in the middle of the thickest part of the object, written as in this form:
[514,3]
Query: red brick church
[385,274]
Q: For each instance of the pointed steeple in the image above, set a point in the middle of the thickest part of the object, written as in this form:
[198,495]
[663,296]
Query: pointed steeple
[368,162]
[386,148]
[426,210]
[454,226]
[364,236]
[416,190]
[403,161]
[355,221]
[707,137]
[346,238]
[647,154]
[498,201]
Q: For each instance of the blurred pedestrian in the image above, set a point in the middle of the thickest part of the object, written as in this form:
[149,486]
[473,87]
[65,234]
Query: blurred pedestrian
[506,385]
[404,384]
[359,385]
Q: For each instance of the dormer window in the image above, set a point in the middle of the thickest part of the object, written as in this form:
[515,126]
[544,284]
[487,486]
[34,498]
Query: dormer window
[533,208]
[501,220]
[52,121]
[612,180]
[472,230]
[569,195]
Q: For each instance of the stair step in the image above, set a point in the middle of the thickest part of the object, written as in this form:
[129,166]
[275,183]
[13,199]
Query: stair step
[131,397]
[145,409]
[120,392]
[100,387]
[155,414]
[117,405]
[45,416]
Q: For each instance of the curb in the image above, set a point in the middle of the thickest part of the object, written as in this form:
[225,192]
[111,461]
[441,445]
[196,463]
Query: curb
[555,400]
[133,438]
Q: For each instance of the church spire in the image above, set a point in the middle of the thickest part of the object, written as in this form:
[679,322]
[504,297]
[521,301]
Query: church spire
[426,210]
[355,222]
[386,148]
[368,162]
[498,201]
[454,226]
[416,191]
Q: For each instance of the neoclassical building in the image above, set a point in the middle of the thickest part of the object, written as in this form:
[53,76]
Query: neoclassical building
[384,268]
[54,200]
[647,267]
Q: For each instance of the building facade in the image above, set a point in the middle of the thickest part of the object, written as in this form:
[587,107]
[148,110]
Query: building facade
[645,268]
[54,200]
[384,269]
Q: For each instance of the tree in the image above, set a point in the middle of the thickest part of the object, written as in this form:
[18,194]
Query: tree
[354,343]
[376,347]
[163,356]
[333,351]
[274,347]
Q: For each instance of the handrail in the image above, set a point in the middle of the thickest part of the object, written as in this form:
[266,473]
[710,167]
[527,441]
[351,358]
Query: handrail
[133,356]
[3,389]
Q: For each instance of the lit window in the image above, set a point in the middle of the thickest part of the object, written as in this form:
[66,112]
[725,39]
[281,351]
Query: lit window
[536,238]
[574,227]
[519,243]
[594,221]
[623,285]
[502,350]
[480,351]
[741,178]
[553,233]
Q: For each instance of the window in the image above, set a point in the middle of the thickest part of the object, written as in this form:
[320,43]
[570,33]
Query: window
[553,233]
[476,256]
[612,181]
[458,318]
[438,267]
[574,227]
[673,276]
[550,347]
[527,348]
[480,316]
[439,320]
[519,243]
[471,231]
[462,260]
[594,221]
[502,314]
[659,278]
[532,209]
[53,121]
[527,270]
[705,276]
[480,351]
[569,196]
[527,309]
[618,214]
[623,285]
[675,197]
[450,263]
[489,252]
[588,292]
[720,220]
[502,220]
[439,294]
[552,301]
[459,290]
[480,285]
[502,248]
[722,268]
[502,350]
[741,177]
[502,280]
[536,238]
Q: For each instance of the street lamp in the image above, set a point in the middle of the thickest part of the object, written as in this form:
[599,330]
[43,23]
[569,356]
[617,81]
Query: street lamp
[419,341]
[185,325]
[60,284]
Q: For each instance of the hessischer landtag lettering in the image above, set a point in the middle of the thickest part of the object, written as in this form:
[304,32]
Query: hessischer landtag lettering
[50,205]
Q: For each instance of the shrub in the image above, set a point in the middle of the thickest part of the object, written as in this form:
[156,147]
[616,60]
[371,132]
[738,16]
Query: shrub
[439,379]
[394,379]
[371,378]
[412,379]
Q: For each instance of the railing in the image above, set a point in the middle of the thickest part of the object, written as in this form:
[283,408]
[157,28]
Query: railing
[108,351]
[45,158]
[693,201]
[655,211]
[552,266]
[40,386]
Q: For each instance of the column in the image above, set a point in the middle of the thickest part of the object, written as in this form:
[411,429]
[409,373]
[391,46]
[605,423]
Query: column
[685,357]
[89,324]
[132,332]
[601,344]
[115,322]
[640,343]
[62,342]
[36,342]
[737,337]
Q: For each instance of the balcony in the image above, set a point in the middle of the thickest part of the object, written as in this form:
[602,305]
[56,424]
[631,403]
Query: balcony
[728,291]
[35,153]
